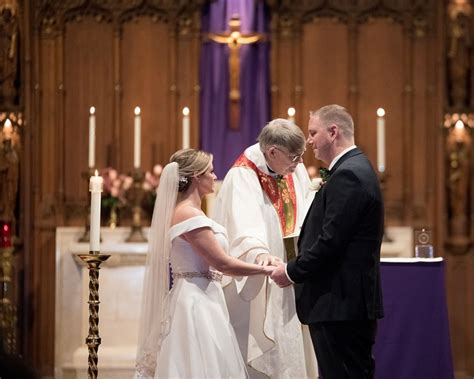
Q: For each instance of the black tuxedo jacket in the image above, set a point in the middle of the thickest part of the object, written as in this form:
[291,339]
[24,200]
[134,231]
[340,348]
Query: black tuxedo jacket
[336,271]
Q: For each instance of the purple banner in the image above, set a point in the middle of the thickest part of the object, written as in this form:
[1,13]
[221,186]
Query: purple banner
[216,135]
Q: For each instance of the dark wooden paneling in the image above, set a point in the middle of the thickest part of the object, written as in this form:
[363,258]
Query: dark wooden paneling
[324,65]
[48,178]
[380,72]
[324,69]
[145,66]
[88,81]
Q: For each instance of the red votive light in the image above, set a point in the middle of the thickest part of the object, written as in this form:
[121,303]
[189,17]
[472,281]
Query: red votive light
[5,234]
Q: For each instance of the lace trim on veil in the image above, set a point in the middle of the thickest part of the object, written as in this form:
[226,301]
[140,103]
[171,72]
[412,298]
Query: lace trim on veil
[155,302]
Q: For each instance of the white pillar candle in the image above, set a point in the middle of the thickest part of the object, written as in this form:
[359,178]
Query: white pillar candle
[381,140]
[291,114]
[7,129]
[459,131]
[91,137]
[137,126]
[95,187]
[186,128]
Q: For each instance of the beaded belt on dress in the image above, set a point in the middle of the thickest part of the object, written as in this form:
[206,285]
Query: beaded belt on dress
[211,275]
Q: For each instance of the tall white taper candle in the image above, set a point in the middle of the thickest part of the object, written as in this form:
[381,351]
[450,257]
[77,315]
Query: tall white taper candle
[137,126]
[381,140]
[459,131]
[95,187]
[186,128]
[291,114]
[7,129]
[91,137]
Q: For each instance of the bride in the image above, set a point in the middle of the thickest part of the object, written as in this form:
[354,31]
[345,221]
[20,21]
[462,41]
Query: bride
[185,332]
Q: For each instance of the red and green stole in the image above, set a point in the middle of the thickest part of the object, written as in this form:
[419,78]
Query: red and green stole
[280,191]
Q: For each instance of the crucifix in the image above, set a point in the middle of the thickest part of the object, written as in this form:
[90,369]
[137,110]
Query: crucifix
[234,39]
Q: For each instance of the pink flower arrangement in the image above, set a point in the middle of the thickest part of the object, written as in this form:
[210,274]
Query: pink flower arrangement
[150,185]
[115,187]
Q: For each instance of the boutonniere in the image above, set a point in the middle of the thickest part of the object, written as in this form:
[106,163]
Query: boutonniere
[325,174]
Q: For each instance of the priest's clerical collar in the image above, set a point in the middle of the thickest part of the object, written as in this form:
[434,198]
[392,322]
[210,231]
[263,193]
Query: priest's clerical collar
[273,174]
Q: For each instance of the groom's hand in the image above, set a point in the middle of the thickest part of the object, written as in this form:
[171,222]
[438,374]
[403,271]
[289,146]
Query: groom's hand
[279,276]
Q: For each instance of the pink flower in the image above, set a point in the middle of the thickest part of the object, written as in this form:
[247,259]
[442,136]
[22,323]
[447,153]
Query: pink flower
[127,182]
[113,174]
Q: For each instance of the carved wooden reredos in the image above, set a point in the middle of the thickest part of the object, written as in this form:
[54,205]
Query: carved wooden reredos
[119,54]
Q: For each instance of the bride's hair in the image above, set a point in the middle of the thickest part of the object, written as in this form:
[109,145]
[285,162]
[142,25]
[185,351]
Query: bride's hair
[191,163]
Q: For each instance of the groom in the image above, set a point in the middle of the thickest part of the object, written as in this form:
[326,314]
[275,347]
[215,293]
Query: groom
[336,274]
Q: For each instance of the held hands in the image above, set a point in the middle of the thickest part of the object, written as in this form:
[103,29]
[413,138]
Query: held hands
[279,275]
[266,259]
[268,263]
[267,270]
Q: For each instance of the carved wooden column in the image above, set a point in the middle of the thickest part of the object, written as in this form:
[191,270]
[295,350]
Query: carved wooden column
[458,122]
[459,176]
[459,180]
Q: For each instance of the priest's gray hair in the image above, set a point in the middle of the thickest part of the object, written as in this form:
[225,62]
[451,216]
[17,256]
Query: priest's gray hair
[284,133]
[191,163]
[335,115]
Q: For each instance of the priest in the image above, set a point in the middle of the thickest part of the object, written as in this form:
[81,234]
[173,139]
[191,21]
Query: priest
[264,198]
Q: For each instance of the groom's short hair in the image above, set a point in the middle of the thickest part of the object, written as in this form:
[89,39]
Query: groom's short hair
[338,115]
[284,133]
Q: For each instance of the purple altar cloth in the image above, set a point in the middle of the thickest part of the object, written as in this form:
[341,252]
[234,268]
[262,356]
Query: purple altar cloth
[413,338]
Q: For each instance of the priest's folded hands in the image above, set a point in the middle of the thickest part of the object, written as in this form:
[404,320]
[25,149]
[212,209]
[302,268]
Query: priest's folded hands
[266,259]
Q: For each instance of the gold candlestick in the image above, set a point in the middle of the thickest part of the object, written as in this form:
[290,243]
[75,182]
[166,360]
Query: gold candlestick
[86,236]
[135,195]
[93,340]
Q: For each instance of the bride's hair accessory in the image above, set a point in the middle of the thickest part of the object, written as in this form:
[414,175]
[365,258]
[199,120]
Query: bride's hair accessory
[184,183]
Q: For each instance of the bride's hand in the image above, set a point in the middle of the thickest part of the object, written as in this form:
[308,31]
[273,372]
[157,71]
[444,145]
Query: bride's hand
[268,270]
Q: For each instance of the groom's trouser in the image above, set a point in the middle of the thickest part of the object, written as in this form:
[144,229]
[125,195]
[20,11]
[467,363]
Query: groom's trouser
[344,348]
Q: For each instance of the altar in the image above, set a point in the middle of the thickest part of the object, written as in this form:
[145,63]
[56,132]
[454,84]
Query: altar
[120,290]
[120,280]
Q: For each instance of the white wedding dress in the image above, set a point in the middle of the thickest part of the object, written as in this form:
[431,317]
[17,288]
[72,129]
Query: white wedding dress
[199,341]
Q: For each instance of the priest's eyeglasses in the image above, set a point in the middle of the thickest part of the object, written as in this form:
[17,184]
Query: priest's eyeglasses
[293,157]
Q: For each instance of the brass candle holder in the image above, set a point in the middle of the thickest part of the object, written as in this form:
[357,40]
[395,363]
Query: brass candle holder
[135,195]
[93,260]
[7,308]
[86,236]
[382,179]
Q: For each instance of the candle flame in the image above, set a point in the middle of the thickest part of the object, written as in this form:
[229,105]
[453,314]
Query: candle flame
[92,110]
[380,112]
[185,111]
[96,173]
[291,111]
[137,111]
[8,124]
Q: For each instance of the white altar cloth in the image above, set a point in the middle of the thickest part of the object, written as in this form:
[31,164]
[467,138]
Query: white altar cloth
[120,287]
